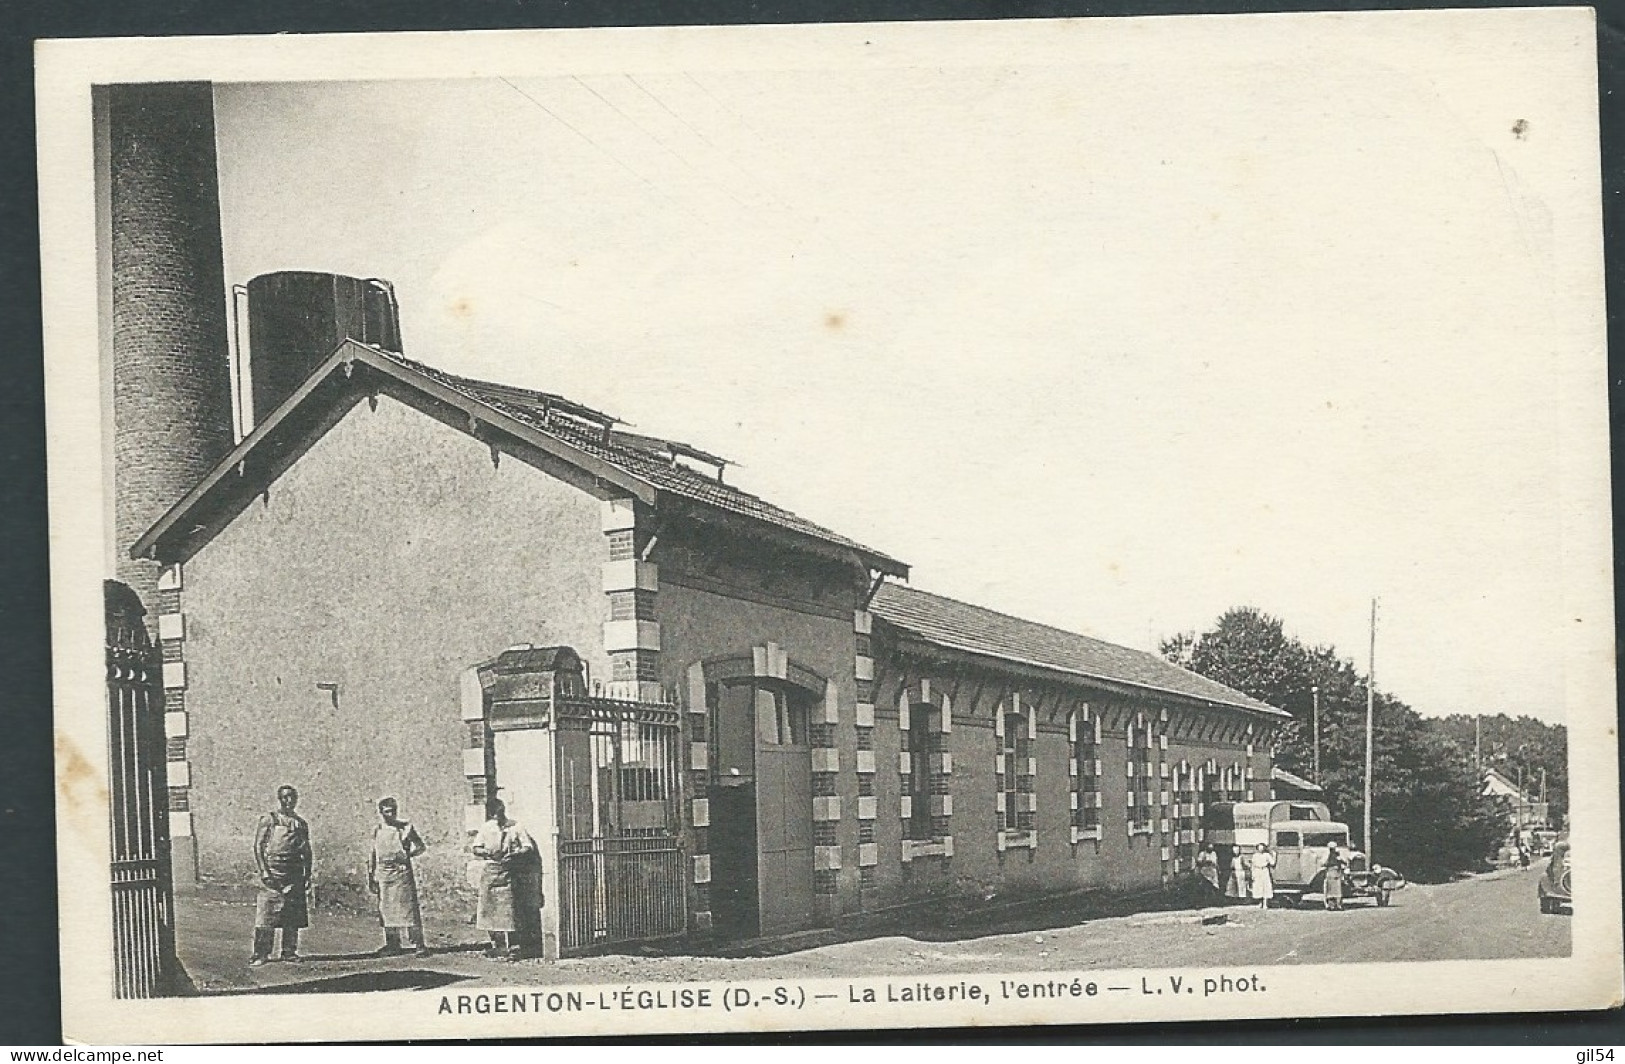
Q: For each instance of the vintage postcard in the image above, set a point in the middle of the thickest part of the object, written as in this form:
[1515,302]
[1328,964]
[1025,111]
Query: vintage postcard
[841,526]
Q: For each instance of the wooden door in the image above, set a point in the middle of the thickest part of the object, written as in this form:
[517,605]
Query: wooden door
[784,828]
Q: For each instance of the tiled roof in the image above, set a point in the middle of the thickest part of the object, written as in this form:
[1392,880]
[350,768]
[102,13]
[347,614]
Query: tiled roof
[972,629]
[640,456]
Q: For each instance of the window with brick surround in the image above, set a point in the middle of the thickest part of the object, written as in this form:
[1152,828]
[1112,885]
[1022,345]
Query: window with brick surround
[1186,822]
[1013,773]
[1084,734]
[921,739]
[1212,791]
[1143,784]
[1014,745]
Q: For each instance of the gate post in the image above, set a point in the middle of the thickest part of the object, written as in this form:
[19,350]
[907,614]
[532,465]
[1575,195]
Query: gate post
[547,837]
[138,804]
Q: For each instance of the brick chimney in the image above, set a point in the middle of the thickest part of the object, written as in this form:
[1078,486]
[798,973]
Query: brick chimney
[171,379]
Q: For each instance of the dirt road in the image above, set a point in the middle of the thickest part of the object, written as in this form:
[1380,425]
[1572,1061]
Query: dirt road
[1482,917]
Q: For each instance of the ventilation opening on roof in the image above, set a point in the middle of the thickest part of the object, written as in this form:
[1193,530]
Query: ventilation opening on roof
[679,455]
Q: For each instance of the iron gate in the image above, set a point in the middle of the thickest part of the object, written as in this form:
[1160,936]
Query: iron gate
[138,794]
[622,872]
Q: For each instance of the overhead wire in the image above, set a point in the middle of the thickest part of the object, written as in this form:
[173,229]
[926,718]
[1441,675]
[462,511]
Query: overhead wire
[635,124]
[611,155]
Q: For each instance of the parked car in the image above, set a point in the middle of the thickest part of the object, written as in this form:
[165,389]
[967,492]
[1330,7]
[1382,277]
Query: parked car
[1553,890]
[1300,833]
[1541,841]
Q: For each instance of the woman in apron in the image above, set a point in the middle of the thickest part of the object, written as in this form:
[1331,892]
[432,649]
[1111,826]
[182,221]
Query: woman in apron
[1235,885]
[1207,867]
[1263,888]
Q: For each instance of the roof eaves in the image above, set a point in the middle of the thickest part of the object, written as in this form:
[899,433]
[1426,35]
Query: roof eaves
[983,652]
[685,506]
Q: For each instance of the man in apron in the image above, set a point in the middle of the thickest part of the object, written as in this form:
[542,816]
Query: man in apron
[506,891]
[389,875]
[282,856]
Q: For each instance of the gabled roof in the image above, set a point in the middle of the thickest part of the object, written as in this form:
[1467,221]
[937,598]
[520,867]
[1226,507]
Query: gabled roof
[1298,783]
[960,626]
[1497,782]
[578,435]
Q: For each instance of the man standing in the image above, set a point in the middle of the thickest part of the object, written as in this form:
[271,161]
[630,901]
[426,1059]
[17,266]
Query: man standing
[389,875]
[505,888]
[282,856]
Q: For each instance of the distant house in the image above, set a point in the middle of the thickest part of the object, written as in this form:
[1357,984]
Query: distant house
[1524,813]
[1284,785]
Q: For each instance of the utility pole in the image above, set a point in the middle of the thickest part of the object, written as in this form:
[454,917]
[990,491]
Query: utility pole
[1478,757]
[1315,692]
[1370,714]
[1523,801]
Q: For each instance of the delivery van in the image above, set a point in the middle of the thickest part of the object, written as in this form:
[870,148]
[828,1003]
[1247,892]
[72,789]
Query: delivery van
[1300,834]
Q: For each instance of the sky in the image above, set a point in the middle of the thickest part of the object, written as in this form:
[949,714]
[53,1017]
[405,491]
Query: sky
[1163,320]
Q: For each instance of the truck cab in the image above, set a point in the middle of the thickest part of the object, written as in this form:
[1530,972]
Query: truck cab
[1301,835]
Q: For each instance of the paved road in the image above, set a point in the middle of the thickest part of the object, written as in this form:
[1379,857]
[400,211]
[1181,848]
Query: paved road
[1484,917]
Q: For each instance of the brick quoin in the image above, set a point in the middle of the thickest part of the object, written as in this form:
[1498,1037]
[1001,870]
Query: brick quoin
[171,380]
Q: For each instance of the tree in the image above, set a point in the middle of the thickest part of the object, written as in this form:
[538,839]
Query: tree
[1428,817]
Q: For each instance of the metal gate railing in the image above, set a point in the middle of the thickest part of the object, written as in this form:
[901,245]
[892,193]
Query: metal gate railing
[138,795]
[617,890]
[622,872]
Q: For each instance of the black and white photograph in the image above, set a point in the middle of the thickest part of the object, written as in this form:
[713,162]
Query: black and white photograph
[844,526]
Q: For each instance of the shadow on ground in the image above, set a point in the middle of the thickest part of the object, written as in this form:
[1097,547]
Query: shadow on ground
[948,920]
[355,983]
[372,954]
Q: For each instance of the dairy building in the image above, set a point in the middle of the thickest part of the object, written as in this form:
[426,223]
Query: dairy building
[714,715]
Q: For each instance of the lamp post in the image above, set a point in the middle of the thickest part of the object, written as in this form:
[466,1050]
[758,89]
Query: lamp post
[1315,692]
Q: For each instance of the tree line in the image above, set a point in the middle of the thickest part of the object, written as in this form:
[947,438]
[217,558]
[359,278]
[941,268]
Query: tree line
[1430,818]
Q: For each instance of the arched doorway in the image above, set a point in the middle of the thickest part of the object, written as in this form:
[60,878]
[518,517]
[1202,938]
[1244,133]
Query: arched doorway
[761,831]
